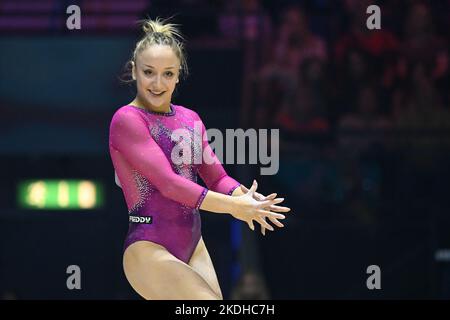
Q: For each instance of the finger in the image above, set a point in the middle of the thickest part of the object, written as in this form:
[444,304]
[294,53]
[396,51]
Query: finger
[276,222]
[264,223]
[277,200]
[271,214]
[253,188]
[259,196]
[277,216]
[279,208]
[268,203]
[269,197]
[263,231]
[256,186]
[250,225]
[244,188]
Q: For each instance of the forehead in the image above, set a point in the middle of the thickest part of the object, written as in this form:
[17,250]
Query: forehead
[158,56]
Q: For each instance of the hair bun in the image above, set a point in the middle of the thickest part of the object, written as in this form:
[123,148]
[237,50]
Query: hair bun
[160,26]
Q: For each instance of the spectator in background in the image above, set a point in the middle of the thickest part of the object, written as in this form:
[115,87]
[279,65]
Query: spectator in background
[363,121]
[352,75]
[228,20]
[303,110]
[367,114]
[247,21]
[250,286]
[419,104]
[279,79]
[421,43]
[296,42]
[441,76]
[293,44]
[377,45]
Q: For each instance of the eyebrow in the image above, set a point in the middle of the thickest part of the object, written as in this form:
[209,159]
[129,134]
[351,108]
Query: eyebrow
[154,67]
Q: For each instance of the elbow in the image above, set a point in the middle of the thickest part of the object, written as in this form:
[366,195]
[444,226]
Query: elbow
[170,187]
[165,192]
[216,185]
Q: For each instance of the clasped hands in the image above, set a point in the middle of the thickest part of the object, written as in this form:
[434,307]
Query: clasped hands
[253,206]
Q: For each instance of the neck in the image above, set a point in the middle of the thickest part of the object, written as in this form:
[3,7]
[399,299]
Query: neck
[138,103]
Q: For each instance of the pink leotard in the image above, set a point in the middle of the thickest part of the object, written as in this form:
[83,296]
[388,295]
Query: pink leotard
[162,195]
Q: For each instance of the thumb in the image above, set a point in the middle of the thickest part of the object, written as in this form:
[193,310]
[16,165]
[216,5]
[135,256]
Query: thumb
[253,188]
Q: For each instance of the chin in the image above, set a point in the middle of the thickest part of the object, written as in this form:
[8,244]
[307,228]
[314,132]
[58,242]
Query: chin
[156,104]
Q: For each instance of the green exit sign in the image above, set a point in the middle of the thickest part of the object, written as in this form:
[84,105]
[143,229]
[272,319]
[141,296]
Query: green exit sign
[60,194]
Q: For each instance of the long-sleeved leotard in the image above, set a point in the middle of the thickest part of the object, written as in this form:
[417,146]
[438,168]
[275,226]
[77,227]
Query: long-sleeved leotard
[144,148]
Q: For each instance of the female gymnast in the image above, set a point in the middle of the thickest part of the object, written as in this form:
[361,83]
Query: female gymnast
[164,254]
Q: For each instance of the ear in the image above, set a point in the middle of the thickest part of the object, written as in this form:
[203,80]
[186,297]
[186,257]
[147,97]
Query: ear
[133,70]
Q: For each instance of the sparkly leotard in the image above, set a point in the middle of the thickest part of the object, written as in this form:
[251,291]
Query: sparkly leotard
[146,150]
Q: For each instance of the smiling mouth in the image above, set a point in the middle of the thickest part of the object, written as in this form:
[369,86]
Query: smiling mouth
[156,94]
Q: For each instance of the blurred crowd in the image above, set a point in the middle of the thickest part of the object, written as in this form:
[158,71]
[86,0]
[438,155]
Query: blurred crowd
[354,78]
[315,67]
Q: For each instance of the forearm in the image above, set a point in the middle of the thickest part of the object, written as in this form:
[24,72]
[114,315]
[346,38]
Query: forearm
[218,202]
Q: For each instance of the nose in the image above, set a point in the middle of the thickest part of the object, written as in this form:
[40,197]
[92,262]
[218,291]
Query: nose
[157,82]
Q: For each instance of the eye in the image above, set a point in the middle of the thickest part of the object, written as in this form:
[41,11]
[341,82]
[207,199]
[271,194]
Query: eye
[169,73]
[147,72]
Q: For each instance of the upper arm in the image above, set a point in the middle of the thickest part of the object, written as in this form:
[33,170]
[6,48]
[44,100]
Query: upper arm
[130,136]
[211,169]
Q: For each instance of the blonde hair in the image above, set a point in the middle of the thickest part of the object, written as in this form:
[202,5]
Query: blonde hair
[159,32]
